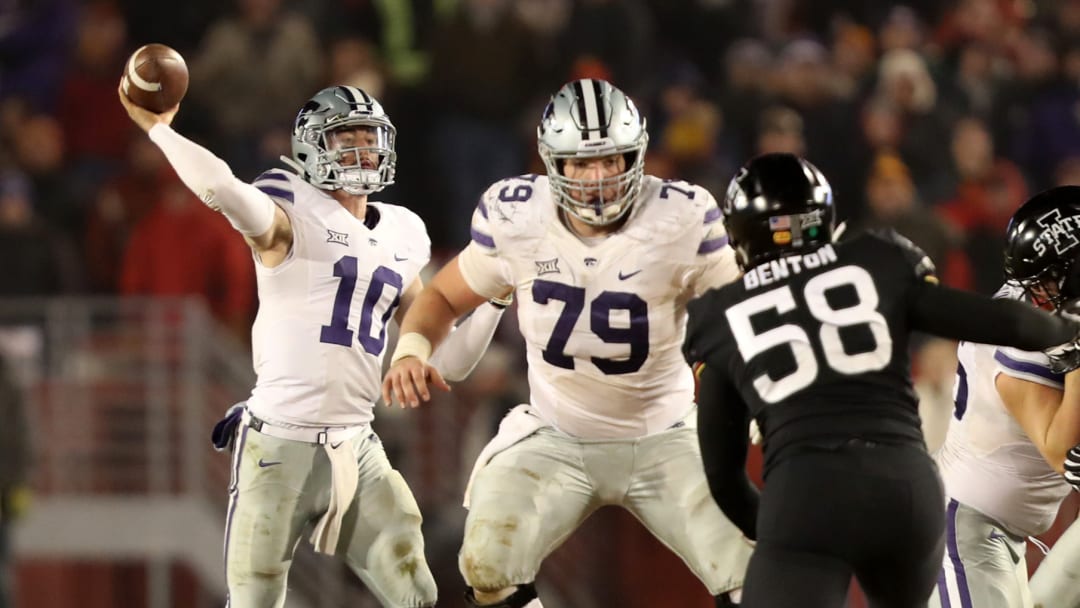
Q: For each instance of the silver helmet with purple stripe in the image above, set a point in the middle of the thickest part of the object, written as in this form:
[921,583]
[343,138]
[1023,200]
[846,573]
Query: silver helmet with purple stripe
[585,119]
[342,139]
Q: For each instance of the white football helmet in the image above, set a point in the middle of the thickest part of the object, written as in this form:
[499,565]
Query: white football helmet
[318,159]
[590,118]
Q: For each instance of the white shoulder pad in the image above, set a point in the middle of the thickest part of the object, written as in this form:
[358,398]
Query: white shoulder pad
[279,184]
[675,211]
[410,229]
[1030,366]
[514,210]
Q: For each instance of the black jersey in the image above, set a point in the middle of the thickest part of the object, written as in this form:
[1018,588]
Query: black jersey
[817,343]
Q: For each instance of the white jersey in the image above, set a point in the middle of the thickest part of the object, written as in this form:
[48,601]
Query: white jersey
[320,335]
[987,461]
[603,319]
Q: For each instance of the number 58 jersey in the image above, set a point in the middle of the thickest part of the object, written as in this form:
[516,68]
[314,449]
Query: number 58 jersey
[603,319]
[817,344]
[320,334]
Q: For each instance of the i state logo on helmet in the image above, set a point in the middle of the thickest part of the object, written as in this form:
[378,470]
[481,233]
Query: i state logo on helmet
[1058,231]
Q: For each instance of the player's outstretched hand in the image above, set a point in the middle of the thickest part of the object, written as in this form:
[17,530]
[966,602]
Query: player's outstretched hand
[407,382]
[143,117]
[1066,357]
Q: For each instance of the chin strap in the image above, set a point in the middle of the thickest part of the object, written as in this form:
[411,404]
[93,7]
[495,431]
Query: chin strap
[519,599]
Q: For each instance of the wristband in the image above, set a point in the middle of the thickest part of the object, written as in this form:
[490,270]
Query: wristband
[412,344]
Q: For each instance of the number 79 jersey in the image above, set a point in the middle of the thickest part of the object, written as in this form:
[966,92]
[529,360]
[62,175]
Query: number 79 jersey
[603,319]
[817,344]
[320,335]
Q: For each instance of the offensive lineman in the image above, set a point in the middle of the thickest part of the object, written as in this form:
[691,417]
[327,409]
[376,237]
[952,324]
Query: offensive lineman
[813,343]
[1017,414]
[332,269]
[603,260]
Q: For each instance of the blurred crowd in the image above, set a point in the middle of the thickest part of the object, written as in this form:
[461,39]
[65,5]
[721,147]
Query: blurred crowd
[936,118]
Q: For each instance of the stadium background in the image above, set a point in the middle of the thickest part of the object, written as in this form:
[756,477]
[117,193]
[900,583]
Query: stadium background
[125,304]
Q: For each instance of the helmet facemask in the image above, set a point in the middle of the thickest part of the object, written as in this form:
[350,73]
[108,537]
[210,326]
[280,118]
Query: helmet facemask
[358,156]
[343,140]
[1048,289]
[596,202]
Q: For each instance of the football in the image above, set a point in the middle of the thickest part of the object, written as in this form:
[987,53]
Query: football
[155,77]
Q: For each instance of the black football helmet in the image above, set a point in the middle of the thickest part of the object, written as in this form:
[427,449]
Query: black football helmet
[776,205]
[1043,243]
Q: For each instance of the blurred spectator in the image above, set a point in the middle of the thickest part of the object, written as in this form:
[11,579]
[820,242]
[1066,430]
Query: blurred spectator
[354,62]
[904,82]
[35,38]
[15,460]
[119,205]
[935,371]
[745,89]
[482,77]
[780,129]
[1052,130]
[853,57]
[806,84]
[41,260]
[618,33]
[902,29]
[251,72]
[39,146]
[1034,75]
[96,129]
[892,202]
[689,130]
[181,247]
[988,191]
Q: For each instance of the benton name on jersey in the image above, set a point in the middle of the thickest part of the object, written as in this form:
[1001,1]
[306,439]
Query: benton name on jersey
[817,343]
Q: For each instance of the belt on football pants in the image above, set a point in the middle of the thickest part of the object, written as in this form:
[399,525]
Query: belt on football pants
[317,435]
[344,476]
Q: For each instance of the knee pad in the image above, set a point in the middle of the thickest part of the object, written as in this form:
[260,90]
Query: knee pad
[519,599]
[396,560]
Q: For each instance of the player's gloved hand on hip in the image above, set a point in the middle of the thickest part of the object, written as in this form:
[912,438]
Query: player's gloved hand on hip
[1072,467]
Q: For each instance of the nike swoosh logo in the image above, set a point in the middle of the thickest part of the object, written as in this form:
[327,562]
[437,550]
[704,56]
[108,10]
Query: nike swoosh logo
[623,277]
[397,259]
[334,446]
[264,464]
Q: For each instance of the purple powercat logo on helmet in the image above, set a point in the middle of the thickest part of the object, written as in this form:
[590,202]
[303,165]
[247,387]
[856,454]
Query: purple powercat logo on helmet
[1058,231]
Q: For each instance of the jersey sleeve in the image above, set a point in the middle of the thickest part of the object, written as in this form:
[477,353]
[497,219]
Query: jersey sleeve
[915,258]
[1026,365]
[480,262]
[416,235]
[702,338]
[714,262]
[277,184]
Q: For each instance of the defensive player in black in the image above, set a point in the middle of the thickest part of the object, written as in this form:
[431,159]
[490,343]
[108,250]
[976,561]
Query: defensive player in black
[813,343]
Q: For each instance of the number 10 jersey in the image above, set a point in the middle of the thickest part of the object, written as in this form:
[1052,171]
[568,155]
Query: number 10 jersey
[320,335]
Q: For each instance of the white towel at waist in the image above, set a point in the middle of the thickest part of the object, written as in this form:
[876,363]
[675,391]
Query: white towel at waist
[516,425]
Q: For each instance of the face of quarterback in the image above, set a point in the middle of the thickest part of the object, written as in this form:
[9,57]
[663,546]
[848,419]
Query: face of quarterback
[356,144]
[597,174]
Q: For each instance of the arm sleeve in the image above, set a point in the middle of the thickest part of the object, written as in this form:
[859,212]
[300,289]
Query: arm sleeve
[715,263]
[962,315]
[459,353]
[723,423]
[248,209]
[484,272]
